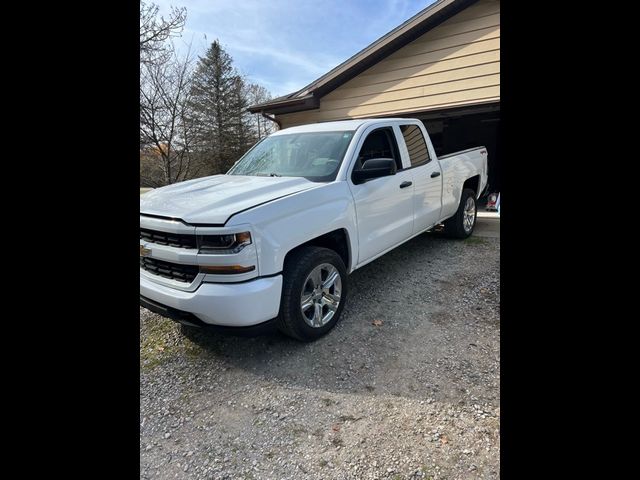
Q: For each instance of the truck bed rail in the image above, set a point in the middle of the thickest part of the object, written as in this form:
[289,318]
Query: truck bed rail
[440,157]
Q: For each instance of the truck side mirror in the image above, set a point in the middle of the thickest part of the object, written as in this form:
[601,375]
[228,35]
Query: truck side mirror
[374,168]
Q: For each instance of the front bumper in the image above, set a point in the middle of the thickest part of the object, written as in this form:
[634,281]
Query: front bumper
[226,304]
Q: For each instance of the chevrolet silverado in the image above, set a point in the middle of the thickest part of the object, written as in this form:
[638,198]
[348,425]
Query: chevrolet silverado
[272,241]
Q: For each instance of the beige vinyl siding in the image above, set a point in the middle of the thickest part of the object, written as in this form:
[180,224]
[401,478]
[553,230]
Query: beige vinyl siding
[420,93]
[412,74]
[456,63]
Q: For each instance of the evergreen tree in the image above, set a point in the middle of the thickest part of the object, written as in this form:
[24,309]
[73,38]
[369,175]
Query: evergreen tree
[218,107]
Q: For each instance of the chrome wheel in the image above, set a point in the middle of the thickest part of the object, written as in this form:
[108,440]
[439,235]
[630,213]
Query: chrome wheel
[320,296]
[469,215]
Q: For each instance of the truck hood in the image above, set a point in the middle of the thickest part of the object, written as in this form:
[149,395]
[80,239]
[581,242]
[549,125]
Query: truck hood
[214,199]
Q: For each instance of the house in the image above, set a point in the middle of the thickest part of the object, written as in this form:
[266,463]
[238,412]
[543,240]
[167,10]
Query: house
[441,66]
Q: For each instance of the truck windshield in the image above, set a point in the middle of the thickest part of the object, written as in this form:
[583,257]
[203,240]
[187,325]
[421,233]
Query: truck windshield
[315,156]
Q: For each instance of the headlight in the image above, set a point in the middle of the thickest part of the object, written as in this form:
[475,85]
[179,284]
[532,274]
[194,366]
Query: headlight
[223,244]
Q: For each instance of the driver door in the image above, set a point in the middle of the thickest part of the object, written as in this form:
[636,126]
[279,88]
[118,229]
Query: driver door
[384,205]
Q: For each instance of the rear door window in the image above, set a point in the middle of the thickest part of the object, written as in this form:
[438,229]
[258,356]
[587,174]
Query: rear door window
[416,145]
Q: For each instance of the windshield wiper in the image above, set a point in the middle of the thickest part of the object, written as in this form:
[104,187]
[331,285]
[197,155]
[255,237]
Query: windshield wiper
[274,175]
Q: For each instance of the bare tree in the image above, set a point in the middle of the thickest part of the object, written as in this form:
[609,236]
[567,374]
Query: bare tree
[155,31]
[167,134]
[258,94]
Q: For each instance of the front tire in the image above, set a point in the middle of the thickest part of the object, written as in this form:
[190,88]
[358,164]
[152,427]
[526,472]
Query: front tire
[461,225]
[313,293]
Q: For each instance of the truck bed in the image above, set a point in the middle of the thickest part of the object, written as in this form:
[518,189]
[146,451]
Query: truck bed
[441,157]
[456,168]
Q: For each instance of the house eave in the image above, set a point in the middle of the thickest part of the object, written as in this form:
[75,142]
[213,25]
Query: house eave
[308,102]
[308,98]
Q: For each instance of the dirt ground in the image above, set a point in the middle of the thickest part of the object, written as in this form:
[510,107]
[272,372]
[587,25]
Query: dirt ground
[414,394]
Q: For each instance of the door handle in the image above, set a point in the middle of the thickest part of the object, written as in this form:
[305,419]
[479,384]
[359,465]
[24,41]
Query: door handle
[406,184]
[435,174]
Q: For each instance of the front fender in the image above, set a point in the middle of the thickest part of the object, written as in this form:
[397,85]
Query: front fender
[288,222]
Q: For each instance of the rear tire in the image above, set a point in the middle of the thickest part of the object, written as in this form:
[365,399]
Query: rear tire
[314,290]
[461,225]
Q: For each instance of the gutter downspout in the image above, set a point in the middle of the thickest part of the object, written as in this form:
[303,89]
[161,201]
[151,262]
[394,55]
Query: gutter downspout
[273,119]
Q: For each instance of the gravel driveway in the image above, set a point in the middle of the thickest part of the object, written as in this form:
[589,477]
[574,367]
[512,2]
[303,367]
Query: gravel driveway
[406,385]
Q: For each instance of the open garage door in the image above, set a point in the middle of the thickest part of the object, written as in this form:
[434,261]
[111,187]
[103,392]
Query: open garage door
[461,128]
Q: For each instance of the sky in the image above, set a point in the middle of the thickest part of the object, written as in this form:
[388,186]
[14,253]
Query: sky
[286,44]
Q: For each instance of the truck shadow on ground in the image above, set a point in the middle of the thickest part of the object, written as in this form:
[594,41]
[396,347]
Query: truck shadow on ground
[421,348]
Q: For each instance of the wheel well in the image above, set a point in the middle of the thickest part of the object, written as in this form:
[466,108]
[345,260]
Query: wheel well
[338,241]
[473,183]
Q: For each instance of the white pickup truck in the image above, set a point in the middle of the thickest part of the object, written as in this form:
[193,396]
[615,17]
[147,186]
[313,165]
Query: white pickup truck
[272,241]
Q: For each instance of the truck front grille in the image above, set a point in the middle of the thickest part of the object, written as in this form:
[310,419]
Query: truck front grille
[180,240]
[174,271]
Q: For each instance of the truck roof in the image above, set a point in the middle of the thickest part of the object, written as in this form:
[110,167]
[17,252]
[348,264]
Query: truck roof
[342,125]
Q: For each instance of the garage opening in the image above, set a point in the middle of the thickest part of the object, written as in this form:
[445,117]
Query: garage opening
[458,129]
